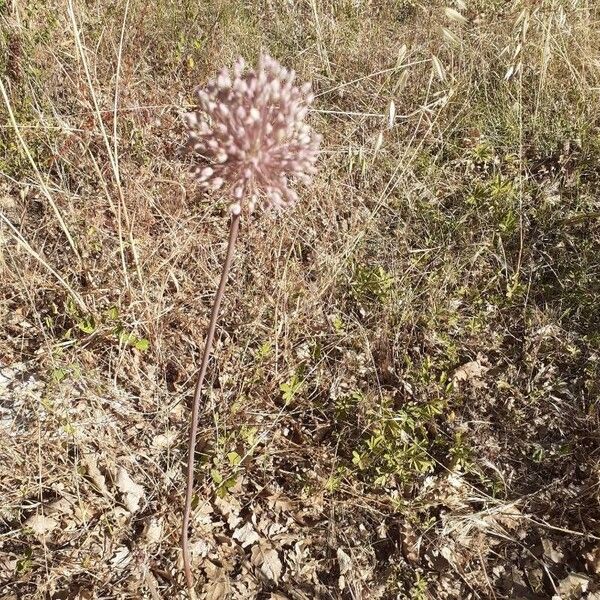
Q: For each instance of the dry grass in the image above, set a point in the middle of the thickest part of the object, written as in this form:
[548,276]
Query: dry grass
[403,400]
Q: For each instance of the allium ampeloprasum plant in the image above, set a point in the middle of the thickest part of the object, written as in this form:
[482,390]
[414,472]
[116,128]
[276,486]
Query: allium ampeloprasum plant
[252,142]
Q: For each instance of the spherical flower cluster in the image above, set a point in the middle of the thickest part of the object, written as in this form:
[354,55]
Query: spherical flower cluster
[250,132]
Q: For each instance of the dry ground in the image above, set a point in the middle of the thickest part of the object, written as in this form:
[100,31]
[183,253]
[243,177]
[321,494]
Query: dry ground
[403,400]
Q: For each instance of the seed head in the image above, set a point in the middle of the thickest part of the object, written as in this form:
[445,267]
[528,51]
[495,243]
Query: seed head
[250,133]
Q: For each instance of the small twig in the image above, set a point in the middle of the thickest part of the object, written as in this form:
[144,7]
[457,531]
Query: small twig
[233,234]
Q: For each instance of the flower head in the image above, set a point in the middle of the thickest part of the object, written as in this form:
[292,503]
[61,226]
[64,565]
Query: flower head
[250,132]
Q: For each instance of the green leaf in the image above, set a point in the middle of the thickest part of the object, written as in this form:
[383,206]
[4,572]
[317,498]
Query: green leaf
[265,349]
[290,388]
[234,458]
[226,487]
[357,460]
[58,375]
[87,325]
[112,313]
[142,344]
[338,324]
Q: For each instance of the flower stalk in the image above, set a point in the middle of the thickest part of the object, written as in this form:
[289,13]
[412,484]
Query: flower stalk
[251,138]
[234,228]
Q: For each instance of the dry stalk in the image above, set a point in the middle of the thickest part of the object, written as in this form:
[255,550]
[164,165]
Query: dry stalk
[185,546]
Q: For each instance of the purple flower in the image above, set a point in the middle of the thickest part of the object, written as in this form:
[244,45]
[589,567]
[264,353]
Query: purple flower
[250,132]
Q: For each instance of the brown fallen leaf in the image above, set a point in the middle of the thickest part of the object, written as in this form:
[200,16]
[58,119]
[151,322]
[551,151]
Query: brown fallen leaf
[592,560]
[280,504]
[344,561]
[218,586]
[132,492]
[472,371]
[267,561]
[573,586]
[89,460]
[41,524]
[60,507]
[152,584]
[551,553]
[219,590]
[230,509]
[345,564]
[121,558]
[153,532]
[410,543]
[246,535]
[165,440]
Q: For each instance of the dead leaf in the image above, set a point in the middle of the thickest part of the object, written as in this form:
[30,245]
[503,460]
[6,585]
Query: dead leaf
[95,475]
[82,513]
[410,543]
[535,578]
[204,514]
[267,560]
[219,587]
[448,554]
[153,532]
[472,371]
[508,515]
[219,590]
[246,535]
[345,563]
[119,516]
[572,586]
[344,560]
[60,507]
[551,553]
[163,441]
[201,548]
[280,504]
[152,585]
[132,492]
[121,558]
[230,509]
[41,524]
[592,559]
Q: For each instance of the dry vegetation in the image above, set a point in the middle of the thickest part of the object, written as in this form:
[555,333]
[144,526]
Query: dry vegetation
[404,397]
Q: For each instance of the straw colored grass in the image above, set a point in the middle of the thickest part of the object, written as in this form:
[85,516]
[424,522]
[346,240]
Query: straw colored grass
[403,397]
